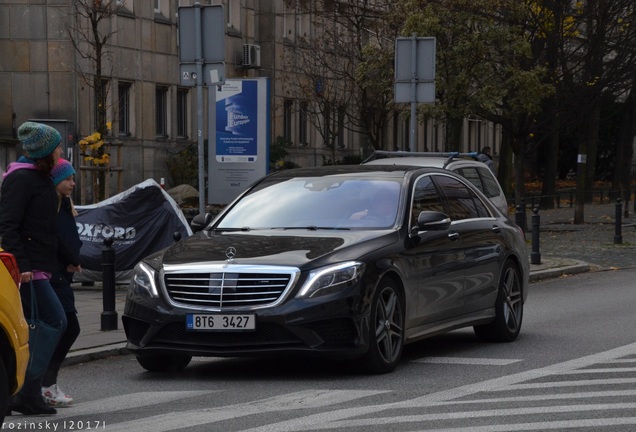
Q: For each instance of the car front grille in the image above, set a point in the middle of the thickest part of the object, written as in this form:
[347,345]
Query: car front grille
[228,289]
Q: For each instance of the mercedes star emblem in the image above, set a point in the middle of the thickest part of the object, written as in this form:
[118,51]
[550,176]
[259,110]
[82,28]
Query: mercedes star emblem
[230,253]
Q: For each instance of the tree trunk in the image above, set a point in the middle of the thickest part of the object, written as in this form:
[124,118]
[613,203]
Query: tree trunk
[548,190]
[505,169]
[519,174]
[592,125]
[454,128]
[581,177]
[625,149]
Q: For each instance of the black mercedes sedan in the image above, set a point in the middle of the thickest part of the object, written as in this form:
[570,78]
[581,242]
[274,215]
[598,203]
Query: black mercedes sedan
[342,261]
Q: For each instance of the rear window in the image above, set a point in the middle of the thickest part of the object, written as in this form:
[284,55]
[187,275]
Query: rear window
[483,180]
[462,203]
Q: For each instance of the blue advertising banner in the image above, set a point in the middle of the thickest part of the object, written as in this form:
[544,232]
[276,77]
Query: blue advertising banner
[241,151]
[237,122]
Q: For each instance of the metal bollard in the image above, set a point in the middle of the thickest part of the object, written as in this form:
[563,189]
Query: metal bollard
[520,216]
[618,236]
[176,236]
[109,315]
[535,255]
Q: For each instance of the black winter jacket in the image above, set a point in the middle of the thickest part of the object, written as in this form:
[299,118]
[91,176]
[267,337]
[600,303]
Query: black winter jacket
[28,214]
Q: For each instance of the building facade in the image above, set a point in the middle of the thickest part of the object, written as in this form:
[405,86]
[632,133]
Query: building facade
[47,70]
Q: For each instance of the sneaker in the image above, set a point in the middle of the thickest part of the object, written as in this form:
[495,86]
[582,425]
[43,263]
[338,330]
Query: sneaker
[29,406]
[54,396]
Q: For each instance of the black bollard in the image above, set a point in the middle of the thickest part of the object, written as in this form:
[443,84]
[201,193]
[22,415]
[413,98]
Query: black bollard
[176,236]
[520,216]
[109,315]
[535,255]
[618,236]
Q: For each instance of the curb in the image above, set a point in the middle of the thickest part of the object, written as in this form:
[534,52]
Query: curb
[95,353]
[552,273]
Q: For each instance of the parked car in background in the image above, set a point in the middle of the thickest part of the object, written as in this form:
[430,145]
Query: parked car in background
[342,261]
[14,332]
[465,164]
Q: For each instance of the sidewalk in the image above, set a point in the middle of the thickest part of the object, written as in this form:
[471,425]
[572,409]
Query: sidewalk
[565,249]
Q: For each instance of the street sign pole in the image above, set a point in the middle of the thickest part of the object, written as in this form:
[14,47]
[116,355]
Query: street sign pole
[414,76]
[202,56]
[413,125]
[199,84]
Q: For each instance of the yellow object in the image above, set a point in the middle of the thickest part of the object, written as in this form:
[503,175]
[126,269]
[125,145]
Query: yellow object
[14,330]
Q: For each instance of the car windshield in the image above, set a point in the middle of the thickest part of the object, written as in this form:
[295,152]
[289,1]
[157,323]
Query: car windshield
[335,202]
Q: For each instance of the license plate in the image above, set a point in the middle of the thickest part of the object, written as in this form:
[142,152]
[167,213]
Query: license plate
[218,322]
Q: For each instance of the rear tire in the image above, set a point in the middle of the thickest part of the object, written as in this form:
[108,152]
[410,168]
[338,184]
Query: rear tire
[164,363]
[386,329]
[508,309]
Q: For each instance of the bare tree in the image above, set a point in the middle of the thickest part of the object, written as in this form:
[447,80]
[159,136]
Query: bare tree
[344,68]
[89,29]
[606,60]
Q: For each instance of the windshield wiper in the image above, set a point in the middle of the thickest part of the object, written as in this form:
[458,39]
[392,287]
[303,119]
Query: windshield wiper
[245,228]
[310,228]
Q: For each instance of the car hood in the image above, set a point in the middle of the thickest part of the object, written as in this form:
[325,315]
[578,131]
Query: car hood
[296,248]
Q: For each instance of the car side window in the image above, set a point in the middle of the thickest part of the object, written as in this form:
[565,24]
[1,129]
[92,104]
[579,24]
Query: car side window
[425,198]
[462,202]
[491,187]
[483,180]
[472,176]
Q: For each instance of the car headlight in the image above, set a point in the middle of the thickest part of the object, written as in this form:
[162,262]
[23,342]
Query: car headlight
[143,281]
[331,279]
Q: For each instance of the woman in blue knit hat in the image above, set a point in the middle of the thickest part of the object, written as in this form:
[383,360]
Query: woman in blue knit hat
[68,259]
[28,214]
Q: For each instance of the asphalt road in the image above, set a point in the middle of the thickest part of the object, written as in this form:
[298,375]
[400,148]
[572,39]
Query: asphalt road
[571,369]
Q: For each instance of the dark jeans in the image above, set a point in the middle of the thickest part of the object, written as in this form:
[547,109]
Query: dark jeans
[63,347]
[50,311]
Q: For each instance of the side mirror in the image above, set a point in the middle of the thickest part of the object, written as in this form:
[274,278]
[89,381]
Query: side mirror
[200,221]
[432,221]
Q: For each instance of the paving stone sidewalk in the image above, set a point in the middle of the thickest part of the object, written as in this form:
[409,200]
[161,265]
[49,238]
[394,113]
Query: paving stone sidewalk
[592,242]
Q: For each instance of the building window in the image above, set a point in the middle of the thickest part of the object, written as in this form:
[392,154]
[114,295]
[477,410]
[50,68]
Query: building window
[162,10]
[341,127]
[302,123]
[288,107]
[124,6]
[182,113]
[234,14]
[161,111]
[326,131]
[124,109]
[289,23]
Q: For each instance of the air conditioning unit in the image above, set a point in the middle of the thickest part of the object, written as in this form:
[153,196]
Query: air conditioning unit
[251,56]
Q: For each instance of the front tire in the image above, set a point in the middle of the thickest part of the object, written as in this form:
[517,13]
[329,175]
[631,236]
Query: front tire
[508,309]
[386,329]
[164,363]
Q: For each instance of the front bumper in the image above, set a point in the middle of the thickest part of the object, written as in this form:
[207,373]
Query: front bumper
[334,326]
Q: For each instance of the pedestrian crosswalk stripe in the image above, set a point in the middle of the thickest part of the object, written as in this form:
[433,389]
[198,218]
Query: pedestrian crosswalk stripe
[402,419]
[467,361]
[123,402]
[186,419]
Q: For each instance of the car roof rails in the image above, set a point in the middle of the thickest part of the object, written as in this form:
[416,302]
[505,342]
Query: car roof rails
[381,154]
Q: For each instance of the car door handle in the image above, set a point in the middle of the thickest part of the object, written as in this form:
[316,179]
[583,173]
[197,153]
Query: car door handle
[496,229]
[453,236]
